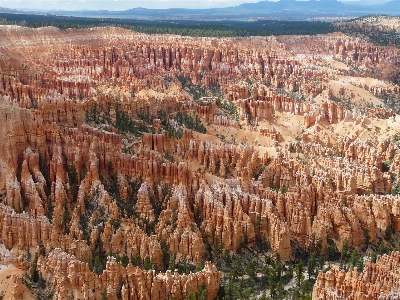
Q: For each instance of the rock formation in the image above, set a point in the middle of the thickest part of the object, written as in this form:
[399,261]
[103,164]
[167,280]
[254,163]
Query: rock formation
[116,150]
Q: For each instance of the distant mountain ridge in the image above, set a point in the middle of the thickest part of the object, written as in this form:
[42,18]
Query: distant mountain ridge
[283,9]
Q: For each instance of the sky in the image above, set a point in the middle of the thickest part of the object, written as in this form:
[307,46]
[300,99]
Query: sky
[127,4]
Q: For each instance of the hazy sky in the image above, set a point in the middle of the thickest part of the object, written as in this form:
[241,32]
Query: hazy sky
[126,4]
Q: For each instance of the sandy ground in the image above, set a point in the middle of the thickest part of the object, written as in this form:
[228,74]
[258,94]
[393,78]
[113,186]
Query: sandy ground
[361,95]
[6,282]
